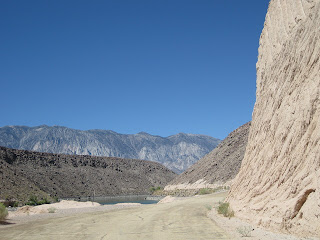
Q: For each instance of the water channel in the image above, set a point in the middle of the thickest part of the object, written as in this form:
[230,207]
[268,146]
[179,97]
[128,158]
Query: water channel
[109,200]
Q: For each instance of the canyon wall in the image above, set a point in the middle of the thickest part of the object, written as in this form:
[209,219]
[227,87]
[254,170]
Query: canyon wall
[278,185]
[219,166]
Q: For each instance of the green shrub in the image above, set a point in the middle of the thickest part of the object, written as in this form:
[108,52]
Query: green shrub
[44,201]
[225,210]
[204,191]
[3,212]
[33,201]
[154,189]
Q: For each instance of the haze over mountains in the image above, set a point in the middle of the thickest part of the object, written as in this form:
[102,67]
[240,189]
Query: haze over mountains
[177,152]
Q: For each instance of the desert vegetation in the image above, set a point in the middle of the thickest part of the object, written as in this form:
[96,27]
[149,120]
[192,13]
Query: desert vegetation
[204,191]
[3,212]
[51,210]
[245,231]
[225,209]
[155,189]
[33,201]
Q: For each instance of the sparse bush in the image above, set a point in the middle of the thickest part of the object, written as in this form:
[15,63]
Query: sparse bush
[245,231]
[3,212]
[51,210]
[44,201]
[154,189]
[225,210]
[204,191]
[33,201]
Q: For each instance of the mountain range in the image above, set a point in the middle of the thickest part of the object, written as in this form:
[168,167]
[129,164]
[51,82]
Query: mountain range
[177,152]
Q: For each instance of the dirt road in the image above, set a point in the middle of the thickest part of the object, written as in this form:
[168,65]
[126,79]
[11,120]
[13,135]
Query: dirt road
[185,219]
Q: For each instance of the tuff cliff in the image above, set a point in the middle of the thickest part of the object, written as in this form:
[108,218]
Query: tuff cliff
[219,166]
[278,185]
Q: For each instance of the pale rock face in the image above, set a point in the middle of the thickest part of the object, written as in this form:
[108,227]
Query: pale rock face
[278,185]
[218,167]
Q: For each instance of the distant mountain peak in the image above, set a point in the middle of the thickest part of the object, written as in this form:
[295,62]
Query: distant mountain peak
[143,133]
[42,126]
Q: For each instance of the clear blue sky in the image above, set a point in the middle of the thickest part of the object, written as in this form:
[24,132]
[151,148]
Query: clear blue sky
[162,67]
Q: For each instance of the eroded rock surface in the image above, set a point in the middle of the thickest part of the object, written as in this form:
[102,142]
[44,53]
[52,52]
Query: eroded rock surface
[278,185]
[218,167]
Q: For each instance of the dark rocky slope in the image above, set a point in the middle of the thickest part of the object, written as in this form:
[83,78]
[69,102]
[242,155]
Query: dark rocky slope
[23,173]
[219,166]
[177,152]
[15,186]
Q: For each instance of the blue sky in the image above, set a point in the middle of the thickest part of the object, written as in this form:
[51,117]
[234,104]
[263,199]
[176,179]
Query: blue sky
[162,67]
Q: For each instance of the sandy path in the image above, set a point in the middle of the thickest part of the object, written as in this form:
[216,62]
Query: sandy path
[185,219]
[41,212]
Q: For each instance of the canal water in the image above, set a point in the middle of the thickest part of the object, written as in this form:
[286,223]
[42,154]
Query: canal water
[109,200]
[128,199]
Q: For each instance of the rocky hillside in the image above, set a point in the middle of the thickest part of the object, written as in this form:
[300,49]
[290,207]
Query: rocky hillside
[177,152]
[219,166]
[278,185]
[24,173]
[16,186]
